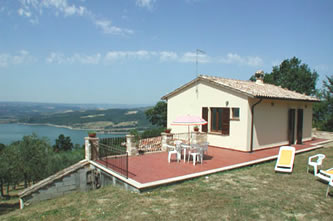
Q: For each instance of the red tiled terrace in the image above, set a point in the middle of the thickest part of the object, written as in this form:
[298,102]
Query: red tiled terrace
[153,169]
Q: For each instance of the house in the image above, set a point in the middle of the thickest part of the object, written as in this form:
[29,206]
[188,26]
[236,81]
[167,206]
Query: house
[243,115]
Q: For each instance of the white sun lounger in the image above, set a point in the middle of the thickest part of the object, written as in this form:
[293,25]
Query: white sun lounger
[326,175]
[285,160]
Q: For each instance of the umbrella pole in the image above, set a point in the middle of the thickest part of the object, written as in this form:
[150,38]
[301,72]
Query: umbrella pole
[189,139]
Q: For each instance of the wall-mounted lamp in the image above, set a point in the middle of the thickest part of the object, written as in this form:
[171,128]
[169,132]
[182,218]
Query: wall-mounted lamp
[226,103]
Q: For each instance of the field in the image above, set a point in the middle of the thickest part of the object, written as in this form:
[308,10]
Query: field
[251,193]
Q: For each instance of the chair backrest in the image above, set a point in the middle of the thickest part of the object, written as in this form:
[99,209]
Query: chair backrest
[178,145]
[320,159]
[195,147]
[205,145]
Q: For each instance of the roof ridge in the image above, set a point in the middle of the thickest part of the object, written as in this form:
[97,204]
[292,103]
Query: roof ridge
[226,78]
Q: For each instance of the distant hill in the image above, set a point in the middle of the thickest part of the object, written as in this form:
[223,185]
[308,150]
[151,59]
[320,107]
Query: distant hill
[81,116]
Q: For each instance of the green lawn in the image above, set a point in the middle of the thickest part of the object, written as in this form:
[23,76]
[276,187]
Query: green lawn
[251,193]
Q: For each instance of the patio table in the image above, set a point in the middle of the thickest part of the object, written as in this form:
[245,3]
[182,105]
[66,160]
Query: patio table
[185,147]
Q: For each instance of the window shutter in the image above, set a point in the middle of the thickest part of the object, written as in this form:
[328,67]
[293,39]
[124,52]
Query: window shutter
[225,121]
[205,117]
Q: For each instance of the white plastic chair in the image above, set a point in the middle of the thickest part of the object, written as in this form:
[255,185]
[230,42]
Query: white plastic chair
[176,150]
[316,163]
[204,146]
[196,153]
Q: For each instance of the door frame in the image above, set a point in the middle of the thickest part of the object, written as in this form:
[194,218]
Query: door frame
[299,133]
[291,125]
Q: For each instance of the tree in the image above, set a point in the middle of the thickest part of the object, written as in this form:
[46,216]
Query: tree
[2,146]
[10,173]
[63,143]
[33,158]
[323,111]
[293,75]
[157,115]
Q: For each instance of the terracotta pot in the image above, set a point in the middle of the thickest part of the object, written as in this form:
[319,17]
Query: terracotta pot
[167,131]
[92,135]
[196,129]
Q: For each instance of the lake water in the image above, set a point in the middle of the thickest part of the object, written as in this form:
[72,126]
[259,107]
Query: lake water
[14,132]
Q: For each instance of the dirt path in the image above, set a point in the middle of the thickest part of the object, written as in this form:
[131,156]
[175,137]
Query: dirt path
[324,135]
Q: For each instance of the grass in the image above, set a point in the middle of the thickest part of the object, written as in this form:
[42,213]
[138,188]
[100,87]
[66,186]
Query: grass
[250,193]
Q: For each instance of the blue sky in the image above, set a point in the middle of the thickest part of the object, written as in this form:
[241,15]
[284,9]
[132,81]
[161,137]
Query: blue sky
[136,51]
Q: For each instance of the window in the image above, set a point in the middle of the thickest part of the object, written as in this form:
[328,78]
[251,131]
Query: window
[220,120]
[235,113]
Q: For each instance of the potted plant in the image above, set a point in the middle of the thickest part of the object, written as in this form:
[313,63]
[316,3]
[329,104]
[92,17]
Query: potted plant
[92,133]
[168,130]
[196,128]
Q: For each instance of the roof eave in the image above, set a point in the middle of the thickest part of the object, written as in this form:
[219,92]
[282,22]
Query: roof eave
[165,97]
[283,98]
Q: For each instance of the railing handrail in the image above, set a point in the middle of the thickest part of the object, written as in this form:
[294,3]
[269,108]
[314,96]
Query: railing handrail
[113,155]
[116,149]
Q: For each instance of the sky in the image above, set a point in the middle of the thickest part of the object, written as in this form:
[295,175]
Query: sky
[136,51]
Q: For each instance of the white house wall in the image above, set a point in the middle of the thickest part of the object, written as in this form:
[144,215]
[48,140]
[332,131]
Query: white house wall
[271,122]
[191,100]
[307,121]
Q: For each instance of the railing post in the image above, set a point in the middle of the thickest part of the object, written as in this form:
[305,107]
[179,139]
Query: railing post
[91,148]
[166,137]
[130,145]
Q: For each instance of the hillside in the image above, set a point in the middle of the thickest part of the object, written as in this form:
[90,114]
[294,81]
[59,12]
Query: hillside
[95,117]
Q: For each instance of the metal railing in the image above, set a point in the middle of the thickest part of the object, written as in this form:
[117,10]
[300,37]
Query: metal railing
[185,137]
[113,155]
[190,137]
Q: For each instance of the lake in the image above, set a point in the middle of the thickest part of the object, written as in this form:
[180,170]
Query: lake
[14,132]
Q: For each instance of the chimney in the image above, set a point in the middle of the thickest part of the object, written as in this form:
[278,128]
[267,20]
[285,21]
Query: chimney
[259,77]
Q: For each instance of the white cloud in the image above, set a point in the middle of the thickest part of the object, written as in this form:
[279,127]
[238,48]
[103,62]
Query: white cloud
[31,9]
[145,3]
[23,57]
[4,60]
[117,55]
[237,59]
[55,58]
[168,56]
[60,58]
[108,28]
[162,56]
[192,56]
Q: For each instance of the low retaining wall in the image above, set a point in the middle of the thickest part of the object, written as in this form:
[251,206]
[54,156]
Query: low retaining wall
[82,176]
[72,182]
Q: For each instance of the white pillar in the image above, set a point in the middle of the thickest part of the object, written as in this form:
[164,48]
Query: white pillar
[87,148]
[130,145]
[166,137]
[91,145]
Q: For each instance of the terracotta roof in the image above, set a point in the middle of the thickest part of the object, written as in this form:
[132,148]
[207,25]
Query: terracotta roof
[249,88]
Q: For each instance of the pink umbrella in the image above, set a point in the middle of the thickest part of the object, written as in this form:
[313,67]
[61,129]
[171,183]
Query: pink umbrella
[188,121]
